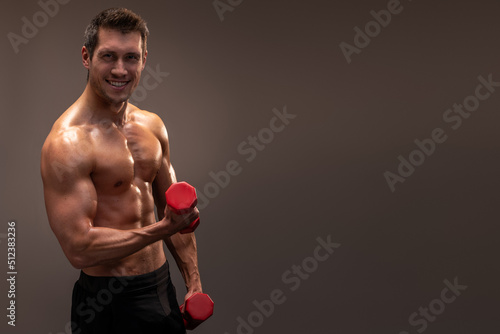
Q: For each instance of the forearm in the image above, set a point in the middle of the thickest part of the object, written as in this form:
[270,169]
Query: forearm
[183,249]
[181,246]
[102,245]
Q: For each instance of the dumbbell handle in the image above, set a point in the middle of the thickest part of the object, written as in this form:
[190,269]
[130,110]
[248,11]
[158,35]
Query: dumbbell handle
[181,199]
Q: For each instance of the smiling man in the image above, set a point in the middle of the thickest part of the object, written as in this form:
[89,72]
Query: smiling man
[105,165]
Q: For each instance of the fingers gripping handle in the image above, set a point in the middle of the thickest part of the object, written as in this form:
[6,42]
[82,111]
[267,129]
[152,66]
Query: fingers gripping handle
[181,199]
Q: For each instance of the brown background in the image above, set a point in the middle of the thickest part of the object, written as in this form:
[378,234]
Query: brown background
[323,175]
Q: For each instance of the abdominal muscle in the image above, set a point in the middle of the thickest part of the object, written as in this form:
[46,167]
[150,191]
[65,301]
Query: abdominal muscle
[130,207]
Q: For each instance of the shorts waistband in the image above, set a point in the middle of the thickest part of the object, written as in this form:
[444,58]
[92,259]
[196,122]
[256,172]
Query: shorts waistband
[122,284]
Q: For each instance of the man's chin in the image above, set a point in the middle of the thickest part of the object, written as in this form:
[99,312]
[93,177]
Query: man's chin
[117,100]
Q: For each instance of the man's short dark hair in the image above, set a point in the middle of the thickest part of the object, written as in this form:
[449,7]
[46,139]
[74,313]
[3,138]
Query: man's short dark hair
[121,19]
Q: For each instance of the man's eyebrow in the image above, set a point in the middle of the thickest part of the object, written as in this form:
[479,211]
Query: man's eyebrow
[104,51]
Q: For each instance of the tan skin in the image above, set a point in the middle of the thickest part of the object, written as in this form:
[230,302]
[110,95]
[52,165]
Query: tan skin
[105,165]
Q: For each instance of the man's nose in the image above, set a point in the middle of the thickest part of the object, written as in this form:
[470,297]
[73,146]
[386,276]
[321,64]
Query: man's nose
[119,69]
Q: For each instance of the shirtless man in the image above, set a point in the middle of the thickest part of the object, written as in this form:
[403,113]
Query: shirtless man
[105,165]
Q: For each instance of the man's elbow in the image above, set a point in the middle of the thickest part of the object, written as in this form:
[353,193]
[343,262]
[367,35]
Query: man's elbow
[79,261]
[79,258]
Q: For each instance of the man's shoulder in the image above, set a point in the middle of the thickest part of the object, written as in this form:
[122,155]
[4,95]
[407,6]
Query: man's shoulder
[145,116]
[152,121]
[67,143]
[65,135]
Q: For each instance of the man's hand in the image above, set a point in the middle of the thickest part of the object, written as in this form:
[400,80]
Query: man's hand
[192,292]
[175,223]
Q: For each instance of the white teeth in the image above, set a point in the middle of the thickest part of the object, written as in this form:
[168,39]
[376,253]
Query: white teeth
[117,84]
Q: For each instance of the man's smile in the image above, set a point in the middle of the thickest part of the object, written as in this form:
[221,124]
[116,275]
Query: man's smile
[117,84]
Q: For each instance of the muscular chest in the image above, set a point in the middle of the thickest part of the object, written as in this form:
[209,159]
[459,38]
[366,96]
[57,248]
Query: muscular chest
[126,154]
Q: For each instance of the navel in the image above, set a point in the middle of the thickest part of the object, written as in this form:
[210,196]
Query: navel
[119,183]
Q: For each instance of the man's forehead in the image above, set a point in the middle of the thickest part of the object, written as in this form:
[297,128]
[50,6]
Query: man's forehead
[116,39]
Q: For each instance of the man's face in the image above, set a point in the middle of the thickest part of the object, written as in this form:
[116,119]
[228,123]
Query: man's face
[116,66]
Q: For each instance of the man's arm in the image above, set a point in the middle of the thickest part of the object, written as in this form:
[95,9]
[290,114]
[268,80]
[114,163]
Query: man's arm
[181,246]
[71,203]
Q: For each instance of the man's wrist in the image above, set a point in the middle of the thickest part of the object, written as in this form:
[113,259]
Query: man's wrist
[194,285]
[164,225]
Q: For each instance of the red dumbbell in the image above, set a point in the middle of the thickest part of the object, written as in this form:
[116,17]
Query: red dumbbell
[198,308]
[181,199]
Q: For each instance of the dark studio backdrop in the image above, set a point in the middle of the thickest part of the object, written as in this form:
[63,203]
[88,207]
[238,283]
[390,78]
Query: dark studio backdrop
[346,154]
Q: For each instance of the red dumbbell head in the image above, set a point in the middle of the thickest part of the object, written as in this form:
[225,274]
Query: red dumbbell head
[181,197]
[198,308]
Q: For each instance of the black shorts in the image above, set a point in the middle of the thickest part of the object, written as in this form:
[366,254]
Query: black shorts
[126,304]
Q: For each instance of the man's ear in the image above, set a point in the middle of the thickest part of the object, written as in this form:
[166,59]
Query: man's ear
[144,60]
[85,58]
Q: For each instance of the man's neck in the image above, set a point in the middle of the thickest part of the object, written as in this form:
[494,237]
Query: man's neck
[101,110]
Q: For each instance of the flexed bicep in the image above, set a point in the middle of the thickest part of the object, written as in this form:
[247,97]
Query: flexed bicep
[70,196]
